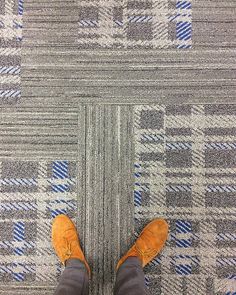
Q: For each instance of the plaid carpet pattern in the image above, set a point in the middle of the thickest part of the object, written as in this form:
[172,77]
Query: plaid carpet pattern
[185,172]
[135,24]
[11,12]
[31,195]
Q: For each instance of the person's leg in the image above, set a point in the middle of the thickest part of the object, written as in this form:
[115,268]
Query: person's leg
[74,280]
[130,277]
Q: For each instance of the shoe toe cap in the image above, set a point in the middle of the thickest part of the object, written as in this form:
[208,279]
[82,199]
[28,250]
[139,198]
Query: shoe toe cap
[159,226]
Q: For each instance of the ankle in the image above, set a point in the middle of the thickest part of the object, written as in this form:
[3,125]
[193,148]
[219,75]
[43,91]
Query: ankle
[72,261]
[131,261]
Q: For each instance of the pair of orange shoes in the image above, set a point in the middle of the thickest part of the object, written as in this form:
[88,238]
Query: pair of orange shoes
[66,241]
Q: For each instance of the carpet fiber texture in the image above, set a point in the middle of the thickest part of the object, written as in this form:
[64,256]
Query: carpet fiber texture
[32,193]
[116,112]
[11,13]
[185,172]
[135,24]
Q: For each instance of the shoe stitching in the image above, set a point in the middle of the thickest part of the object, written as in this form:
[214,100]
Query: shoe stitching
[66,255]
[146,253]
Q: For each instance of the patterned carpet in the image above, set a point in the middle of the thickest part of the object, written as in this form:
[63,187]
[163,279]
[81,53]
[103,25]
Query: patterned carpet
[32,193]
[116,112]
[135,24]
[11,13]
[185,172]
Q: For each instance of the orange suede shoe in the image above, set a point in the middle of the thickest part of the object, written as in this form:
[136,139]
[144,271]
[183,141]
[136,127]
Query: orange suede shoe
[65,240]
[149,243]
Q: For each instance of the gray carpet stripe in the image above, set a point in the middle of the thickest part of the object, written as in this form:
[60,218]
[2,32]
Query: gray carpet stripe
[125,77]
[30,133]
[105,191]
[214,24]
[51,20]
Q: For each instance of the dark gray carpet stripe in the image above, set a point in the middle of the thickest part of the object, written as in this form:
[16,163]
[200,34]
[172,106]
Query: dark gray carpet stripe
[50,23]
[27,289]
[58,76]
[31,133]
[214,24]
[105,216]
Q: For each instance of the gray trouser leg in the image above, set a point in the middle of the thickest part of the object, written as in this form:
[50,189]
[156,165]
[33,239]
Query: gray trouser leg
[74,280]
[130,278]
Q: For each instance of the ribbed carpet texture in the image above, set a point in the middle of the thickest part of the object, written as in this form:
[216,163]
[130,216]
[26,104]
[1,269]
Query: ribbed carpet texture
[115,113]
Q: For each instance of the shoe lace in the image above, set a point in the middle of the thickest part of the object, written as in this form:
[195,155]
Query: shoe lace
[67,253]
[149,252]
[146,253]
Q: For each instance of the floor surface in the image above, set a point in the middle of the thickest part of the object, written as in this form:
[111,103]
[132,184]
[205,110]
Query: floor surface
[115,113]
